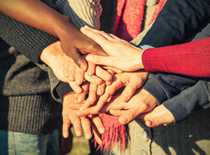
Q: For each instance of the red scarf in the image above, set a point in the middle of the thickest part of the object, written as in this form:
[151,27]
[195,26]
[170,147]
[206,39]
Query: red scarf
[130,16]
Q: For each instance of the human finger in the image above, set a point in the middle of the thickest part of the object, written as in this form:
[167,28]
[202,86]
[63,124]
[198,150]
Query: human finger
[75,87]
[79,76]
[86,127]
[110,90]
[103,74]
[102,60]
[65,128]
[92,96]
[159,116]
[93,79]
[91,68]
[93,34]
[83,64]
[98,124]
[116,112]
[112,70]
[133,112]
[128,116]
[81,97]
[97,137]
[102,100]
[76,125]
[101,89]
[117,106]
[130,89]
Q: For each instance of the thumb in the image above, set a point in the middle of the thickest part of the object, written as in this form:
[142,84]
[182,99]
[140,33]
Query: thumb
[65,128]
[100,60]
[159,116]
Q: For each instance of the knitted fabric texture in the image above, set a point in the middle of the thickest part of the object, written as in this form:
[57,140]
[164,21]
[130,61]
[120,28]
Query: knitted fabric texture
[114,133]
[85,12]
[130,17]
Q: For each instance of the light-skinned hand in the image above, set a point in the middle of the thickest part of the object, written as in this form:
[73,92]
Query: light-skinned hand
[139,104]
[158,116]
[86,125]
[120,53]
[64,67]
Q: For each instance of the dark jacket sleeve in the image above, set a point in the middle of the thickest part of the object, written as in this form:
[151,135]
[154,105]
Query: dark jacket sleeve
[164,86]
[184,103]
[179,22]
[25,38]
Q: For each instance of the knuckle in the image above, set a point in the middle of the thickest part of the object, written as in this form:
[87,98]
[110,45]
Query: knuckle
[92,100]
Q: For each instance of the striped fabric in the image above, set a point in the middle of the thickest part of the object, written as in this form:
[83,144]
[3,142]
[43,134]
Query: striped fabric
[87,11]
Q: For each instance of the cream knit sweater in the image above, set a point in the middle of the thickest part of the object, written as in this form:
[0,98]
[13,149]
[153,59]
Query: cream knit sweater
[88,12]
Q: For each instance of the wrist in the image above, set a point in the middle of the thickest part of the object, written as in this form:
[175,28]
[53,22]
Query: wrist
[148,98]
[138,59]
[65,30]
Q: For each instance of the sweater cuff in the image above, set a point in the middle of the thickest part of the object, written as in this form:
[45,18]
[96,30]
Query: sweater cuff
[185,102]
[152,60]
[154,87]
[61,90]
[177,109]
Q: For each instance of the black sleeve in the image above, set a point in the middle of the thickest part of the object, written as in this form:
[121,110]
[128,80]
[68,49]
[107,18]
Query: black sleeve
[184,103]
[25,38]
[164,86]
[179,21]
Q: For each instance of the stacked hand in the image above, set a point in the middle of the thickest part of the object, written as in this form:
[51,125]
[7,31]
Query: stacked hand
[126,57]
[107,81]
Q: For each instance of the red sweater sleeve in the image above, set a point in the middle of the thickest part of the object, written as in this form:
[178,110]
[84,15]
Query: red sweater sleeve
[190,59]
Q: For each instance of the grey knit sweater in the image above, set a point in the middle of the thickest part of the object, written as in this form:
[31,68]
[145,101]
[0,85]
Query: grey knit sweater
[26,103]
[26,81]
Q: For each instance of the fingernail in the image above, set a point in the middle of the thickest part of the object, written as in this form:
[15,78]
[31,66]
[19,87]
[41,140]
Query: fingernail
[148,123]
[65,135]
[101,130]
[89,136]
[88,57]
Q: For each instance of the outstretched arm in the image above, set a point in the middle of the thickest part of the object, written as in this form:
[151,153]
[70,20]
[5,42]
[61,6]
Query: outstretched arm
[35,13]
[38,15]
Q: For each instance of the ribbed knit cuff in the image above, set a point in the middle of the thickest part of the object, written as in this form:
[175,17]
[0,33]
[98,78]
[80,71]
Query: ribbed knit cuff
[152,60]
[82,12]
[61,90]
[28,114]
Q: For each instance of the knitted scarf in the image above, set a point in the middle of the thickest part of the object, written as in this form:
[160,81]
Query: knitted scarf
[130,17]
[127,25]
